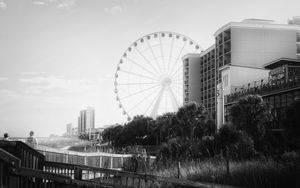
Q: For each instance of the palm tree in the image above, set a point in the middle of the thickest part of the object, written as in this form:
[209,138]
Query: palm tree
[252,115]
[189,117]
[164,125]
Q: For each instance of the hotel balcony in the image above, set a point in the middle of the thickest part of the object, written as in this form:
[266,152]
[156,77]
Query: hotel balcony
[264,89]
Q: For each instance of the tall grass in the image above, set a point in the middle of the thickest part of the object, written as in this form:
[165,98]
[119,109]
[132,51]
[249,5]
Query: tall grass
[252,173]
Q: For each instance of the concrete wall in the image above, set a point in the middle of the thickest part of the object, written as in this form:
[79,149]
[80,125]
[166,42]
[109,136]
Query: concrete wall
[257,46]
[239,76]
[194,79]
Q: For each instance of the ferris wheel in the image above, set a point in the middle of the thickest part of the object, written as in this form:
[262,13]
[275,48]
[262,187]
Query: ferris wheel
[149,75]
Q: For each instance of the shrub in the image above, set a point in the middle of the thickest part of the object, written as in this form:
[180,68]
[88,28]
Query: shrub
[244,147]
[290,157]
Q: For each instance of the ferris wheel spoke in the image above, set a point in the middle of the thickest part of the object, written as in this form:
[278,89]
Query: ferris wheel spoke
[139,92]
[162,53]
[173,105]
[174,65]
[143,100]
[157,102]
[145,83]
[149,63]
[154,99]
[178,75]
[166,104]
[173,98]
[135,63]
[140,75]
[178,84]
[177,78]
[178,89]
[179,68]
[171,51]
[154,56]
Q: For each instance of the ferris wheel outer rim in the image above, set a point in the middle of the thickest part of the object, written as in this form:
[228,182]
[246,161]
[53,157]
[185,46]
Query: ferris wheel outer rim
[134,44]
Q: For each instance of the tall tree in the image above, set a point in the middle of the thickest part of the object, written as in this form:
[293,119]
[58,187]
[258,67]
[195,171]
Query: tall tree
[252,115]
[164,127]
[292,125]
[112,133]
[139,131]
[189,117]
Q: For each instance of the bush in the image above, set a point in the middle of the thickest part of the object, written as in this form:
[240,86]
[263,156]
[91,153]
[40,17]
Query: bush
[239,144]
[290,157]
[248,173]
[227,137]
[245,147]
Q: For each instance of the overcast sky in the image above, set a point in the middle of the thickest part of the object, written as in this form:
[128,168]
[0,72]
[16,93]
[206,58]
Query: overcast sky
[59,56]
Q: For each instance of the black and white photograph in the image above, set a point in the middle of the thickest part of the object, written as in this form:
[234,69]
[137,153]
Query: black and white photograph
[149,94]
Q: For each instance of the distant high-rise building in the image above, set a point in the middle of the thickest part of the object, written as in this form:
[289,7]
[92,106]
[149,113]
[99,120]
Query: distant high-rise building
[69,128]
[86,120]
[79,125]
[199,79]
[90,118]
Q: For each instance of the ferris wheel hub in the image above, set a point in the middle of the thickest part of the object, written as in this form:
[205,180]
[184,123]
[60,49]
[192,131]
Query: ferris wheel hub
[166,81]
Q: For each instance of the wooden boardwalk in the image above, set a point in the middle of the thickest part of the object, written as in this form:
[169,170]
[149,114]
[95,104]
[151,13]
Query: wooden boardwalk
[23,166]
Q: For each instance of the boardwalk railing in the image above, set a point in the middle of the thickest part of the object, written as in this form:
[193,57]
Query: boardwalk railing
[12,175]
[15,173]
[30,158]
[96,159]
[122,178]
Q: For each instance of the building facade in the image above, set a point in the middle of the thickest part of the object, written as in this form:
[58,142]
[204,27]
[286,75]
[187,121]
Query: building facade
[69,129]
[86,120]
[280,89]
[199,79]
[241,48]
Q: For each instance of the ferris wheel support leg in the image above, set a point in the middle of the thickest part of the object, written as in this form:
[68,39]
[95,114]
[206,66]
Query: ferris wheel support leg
[173,98]
[157,103]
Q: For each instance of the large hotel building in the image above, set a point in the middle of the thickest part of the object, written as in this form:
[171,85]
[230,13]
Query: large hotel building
[243,53]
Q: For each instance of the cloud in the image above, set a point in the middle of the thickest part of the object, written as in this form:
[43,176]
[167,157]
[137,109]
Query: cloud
[34,80]
[65,4]
[61,4]
[33,73]
[39,2]
[3,79]
[39,85]
[114,10]
[3,5]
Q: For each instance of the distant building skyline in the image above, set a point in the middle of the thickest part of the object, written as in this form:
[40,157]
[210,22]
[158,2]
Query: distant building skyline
[86,120]
[69,129]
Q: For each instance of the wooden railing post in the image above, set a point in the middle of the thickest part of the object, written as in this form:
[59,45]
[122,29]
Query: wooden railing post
[67,158]
[122,162]
[85,160]
[111,162]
